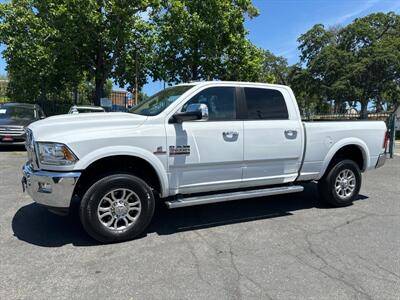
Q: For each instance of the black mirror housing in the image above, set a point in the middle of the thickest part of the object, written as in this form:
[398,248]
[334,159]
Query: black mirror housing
[185,116]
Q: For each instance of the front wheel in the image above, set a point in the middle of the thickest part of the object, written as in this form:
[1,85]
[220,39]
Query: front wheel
[117,208]
[342,183]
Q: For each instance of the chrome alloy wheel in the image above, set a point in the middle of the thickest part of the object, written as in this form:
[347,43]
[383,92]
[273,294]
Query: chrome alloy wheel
[345,184]
[119,209]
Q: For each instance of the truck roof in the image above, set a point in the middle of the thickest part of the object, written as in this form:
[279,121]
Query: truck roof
[216,82]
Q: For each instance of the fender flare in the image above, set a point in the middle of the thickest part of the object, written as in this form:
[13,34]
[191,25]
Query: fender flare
[339,145]
[149,157]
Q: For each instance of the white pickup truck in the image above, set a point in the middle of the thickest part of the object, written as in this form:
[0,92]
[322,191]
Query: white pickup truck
[193,144]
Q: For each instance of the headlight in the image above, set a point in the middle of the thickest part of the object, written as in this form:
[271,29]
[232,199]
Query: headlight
[55,154]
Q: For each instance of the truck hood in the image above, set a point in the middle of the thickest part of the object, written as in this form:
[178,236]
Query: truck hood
[73,127]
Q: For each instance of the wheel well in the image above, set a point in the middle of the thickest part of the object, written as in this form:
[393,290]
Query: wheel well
[352,152]
[121,163]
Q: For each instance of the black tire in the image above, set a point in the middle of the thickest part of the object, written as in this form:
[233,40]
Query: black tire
[88,210]
[328,190]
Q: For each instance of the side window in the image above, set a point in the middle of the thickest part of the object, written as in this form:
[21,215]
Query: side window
[220,102]
[265,104]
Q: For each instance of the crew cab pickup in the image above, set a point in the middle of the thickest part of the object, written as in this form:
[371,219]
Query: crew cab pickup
[193,144]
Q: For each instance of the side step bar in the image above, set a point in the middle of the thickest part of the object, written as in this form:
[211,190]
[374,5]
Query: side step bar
[222,197]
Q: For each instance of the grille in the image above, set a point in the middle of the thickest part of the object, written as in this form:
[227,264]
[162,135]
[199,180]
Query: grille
[12,130]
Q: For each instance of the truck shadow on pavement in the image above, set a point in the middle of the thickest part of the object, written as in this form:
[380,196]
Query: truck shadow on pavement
[35,225]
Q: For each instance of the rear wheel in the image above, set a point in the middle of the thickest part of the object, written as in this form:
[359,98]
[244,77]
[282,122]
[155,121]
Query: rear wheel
[116,208]
[341,184]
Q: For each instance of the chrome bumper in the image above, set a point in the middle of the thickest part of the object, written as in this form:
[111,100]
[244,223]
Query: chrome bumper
[381,160]
[53,189]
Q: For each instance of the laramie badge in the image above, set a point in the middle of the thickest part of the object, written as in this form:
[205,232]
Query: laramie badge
[179,150]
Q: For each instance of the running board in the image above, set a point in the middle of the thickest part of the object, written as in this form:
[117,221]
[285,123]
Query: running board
[222,197]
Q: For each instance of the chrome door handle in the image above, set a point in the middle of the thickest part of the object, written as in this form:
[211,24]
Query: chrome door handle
[291,134]
[230,134]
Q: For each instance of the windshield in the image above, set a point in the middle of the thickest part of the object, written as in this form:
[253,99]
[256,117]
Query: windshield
[160,101]
[16,112]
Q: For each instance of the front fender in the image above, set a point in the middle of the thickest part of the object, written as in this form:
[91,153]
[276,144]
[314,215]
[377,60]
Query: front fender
[342,143]
[93,156]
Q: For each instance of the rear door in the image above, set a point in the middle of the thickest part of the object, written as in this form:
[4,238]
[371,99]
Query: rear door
[272,137]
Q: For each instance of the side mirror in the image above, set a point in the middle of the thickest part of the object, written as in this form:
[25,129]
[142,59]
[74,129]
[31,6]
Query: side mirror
[196,111]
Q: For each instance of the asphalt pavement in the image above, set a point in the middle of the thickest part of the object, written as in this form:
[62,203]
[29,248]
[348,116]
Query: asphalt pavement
[283,247]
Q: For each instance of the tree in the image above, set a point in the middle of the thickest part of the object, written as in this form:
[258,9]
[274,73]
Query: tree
[54,45]
[3,87]
[276,67]
[244,62]
[374,43]
[325,64]
[29,60]
[199,39]
[119,37]
[313,41]
[307,90]
[357,63]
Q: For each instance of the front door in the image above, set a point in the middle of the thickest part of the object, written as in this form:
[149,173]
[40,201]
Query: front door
[207,155]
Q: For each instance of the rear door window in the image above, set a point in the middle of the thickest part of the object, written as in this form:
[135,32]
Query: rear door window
[265,104]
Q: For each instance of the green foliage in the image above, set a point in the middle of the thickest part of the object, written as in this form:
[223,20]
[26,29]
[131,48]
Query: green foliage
[26,55]
[54,45]
[307,91]
[357,63]
[83,93]
[276,68]
[82,47]
[244,62]
[199,39]
[108,88]
[3,88]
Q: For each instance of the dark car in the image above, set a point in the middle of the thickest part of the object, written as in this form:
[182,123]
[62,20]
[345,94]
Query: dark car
[14,117]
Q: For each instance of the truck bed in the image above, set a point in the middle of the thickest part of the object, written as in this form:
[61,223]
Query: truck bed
[325,138]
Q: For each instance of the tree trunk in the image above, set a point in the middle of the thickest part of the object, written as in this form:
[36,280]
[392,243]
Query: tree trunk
[76,96]
[136,78]
[100,74]
[195,63]
[99,90]
[195,73]
[379,104]
[364,110]
[100,77]
[336,107]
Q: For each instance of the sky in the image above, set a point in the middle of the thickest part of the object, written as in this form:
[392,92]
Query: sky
[281,22]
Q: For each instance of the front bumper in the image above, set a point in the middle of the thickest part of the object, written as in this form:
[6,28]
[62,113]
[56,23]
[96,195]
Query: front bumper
[381,160]
[52,189]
